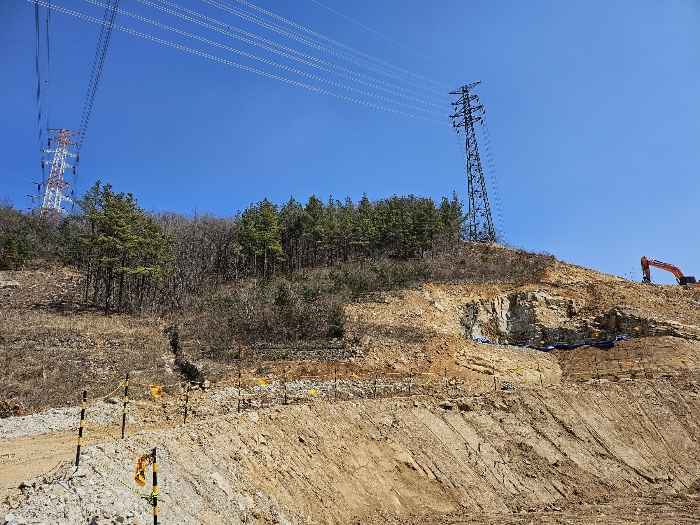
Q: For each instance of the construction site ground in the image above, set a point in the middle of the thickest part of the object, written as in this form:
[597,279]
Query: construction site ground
[416,427]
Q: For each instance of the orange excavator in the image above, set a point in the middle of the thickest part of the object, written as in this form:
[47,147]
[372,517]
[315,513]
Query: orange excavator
[683,280]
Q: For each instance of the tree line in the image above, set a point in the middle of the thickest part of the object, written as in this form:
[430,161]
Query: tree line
[133,259]
[269,274]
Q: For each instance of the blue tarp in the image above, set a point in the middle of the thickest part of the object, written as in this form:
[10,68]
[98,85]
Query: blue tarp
[561,346]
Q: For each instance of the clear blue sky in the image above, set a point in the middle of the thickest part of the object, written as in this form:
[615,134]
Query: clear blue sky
[593,111]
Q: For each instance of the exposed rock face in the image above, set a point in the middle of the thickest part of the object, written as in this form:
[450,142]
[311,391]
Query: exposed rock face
[541,318]
[527,317]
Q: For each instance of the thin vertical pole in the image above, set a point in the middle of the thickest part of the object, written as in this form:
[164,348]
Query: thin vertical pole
[187,402]
[80,429]
[335,384]
[410,381]
[155,489]
[285,386]
[126,402]
[596,368]
[445,380]
[239,390]
[493,371]
[540,371]
[375,387]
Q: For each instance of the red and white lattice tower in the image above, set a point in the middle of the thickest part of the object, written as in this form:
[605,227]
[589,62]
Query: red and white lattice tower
[53,197]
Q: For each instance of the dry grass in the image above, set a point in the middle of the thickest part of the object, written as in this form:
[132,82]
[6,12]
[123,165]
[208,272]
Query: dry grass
[48,358]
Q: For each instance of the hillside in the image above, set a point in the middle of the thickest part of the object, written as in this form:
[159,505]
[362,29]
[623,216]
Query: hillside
[403,419]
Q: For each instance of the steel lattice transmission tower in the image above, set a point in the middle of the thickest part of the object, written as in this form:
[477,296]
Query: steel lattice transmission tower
[468,111]
[52,198]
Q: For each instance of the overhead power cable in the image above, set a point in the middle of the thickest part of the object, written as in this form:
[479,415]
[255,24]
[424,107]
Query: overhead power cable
[320,46]
[318,35]
[47,84]
[241,66]
[38,77]
[97,66]
[384,36]
[288,55]
[266,61]
[276,45]
[492,177]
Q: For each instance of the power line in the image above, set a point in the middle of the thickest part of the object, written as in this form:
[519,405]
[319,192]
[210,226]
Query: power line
[318,35]
[273,43]
[38,77]
[241,66]
[316,45]
[97,65]
[384,36]
[269,62]
[286,55]
[48,61]
[492,177]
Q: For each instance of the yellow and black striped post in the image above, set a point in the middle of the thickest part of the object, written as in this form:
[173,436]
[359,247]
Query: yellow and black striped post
[126,402]
[80,429]
[285,386]
[155,489]
[187,402]
[335,384]
[239,390]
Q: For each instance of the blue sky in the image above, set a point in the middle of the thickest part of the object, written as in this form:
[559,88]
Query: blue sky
[592,108]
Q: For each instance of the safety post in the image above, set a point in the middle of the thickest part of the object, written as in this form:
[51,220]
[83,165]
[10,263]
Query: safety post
[187,402]
[445,380]
[540,371]
[126,402]
[493,371]
[410,381]
[80,429]
[285,386]
[239,390]
[375,387]
[155,489]
[335,384]
[597,371]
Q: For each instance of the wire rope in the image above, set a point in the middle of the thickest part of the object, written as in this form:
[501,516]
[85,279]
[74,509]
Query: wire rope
[241,66]
[319,46]
[266,61]
[384,36]
[339,44]
[277,45]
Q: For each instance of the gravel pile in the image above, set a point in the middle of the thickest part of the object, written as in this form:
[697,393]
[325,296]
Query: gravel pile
[58,419]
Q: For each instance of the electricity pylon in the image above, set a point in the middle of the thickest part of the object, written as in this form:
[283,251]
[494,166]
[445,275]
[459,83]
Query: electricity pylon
[468,111]
[53,195]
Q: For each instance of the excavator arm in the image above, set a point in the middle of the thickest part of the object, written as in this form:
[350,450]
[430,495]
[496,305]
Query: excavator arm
[682,279]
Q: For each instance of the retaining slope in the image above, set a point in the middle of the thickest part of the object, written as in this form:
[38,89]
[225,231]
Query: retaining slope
[406,460]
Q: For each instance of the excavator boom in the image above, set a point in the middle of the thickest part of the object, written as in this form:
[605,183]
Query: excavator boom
[682,279]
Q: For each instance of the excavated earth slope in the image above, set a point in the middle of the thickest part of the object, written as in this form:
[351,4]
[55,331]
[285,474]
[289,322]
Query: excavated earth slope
[622,452]
[515,436]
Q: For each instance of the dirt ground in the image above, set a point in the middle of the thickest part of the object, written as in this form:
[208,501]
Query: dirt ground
[615,452]
[417,426]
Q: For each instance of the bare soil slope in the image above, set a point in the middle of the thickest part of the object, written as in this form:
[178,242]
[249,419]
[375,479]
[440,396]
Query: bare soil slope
[563,452]
[587,435]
